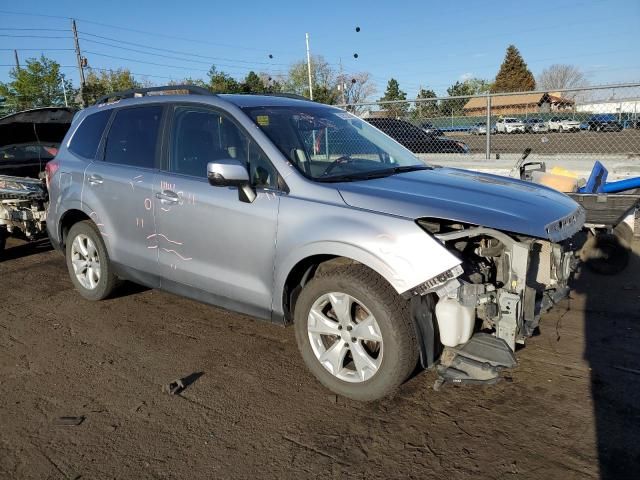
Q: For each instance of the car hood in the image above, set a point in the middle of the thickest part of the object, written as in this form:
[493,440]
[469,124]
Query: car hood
[43,125]
[470,197]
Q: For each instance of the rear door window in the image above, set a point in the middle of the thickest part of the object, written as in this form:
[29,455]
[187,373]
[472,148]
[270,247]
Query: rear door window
[87,136]
[133,136]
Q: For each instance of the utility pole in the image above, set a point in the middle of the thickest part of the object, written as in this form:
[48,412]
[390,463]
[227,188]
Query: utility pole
[343,84]
[15,54]
[309,68]
[64,90]
[79,58]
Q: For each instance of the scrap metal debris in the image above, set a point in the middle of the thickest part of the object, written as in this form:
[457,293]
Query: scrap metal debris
[69,421]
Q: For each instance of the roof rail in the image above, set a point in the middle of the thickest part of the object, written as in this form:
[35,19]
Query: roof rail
[192,89]
[285,95]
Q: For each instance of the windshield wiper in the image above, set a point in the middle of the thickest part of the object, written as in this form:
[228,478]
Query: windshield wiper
[386,172]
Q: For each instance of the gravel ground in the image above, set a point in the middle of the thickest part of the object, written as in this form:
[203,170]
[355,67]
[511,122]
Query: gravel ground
[569,410]
[625,142]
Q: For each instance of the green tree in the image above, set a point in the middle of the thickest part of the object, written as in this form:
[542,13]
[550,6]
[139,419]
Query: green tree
[221,82]
[37,84]
[425,109]
[323,80]
[393,93]
[469,87]
[514,75]
[253,83]
[103,82]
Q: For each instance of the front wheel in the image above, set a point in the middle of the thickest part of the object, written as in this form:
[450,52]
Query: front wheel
[88,262]
[355,333]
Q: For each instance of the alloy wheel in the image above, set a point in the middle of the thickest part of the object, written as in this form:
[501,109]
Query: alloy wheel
[345,337]
[85,261]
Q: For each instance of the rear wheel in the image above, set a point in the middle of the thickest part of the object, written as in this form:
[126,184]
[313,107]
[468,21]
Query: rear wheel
[355,333]
[88,262]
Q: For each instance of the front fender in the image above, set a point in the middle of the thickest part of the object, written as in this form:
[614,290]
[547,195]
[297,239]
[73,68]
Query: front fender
[396,248]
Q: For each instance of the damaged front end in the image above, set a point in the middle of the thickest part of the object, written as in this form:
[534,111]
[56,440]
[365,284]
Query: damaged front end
[22,207]
[505,282]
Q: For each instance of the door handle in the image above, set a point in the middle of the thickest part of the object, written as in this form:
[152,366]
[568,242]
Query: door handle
[167,197]
[95,180]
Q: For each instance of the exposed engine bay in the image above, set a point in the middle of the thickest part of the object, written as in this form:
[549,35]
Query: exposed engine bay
[23,203]
[503,285]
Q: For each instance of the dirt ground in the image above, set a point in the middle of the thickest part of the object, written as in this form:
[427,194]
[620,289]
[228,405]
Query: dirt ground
[569,410]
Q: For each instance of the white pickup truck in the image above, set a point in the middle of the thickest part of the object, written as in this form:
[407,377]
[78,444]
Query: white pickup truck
[557,124]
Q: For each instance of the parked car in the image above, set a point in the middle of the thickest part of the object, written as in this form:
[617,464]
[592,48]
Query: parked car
[480,128]
[604,123]
[509,125]
[227,199]
[430,129]
[558,124]
[29,139]
[535,125]
[415,138]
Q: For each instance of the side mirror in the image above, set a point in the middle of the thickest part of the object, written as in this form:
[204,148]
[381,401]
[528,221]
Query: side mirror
[231,173]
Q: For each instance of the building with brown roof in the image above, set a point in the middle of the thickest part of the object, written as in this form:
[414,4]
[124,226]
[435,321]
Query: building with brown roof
[518,104]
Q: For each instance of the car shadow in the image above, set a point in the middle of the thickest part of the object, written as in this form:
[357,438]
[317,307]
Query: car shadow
[19,248]
[612,349]
[127,288]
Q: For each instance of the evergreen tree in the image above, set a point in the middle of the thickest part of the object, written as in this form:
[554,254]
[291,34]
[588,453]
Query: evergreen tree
[425,109]
[392,93]
[253,83]
[514,75]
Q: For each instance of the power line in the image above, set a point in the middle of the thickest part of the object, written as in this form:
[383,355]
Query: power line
[30,36]
[166,50]
[38,49]
[154,34]
[36,29]
[245,69]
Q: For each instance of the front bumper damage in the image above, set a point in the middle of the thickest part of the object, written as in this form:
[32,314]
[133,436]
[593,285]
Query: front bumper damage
[22,206]
[505,283]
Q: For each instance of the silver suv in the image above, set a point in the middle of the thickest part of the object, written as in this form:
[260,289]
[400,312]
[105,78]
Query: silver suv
[297,212]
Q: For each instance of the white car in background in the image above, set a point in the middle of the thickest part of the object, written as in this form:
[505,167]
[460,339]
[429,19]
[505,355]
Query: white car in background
[509,125]
[557,124]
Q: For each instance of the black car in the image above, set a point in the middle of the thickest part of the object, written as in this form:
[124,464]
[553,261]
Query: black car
[604,123]
[431,129]
[415,138]
[29,139]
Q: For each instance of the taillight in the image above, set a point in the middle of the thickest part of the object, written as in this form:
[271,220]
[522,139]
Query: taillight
[50,170]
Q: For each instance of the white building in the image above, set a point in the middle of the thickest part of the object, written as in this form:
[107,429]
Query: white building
[615,106]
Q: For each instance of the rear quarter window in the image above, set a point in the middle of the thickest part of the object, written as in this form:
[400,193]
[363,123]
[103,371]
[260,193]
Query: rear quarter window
[87,136]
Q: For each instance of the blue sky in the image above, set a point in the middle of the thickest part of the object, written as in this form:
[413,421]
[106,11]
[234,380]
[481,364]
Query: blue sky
[420,43]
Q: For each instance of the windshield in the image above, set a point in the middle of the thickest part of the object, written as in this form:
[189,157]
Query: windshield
[327,144]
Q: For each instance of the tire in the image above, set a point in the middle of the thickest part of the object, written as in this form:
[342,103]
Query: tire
[605,254]
[3,239]
[87,235]
[624,233]
[397,355]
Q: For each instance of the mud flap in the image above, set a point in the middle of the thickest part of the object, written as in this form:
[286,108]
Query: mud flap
[480,360]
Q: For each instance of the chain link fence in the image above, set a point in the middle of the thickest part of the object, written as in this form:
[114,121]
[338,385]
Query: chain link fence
[571,128]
